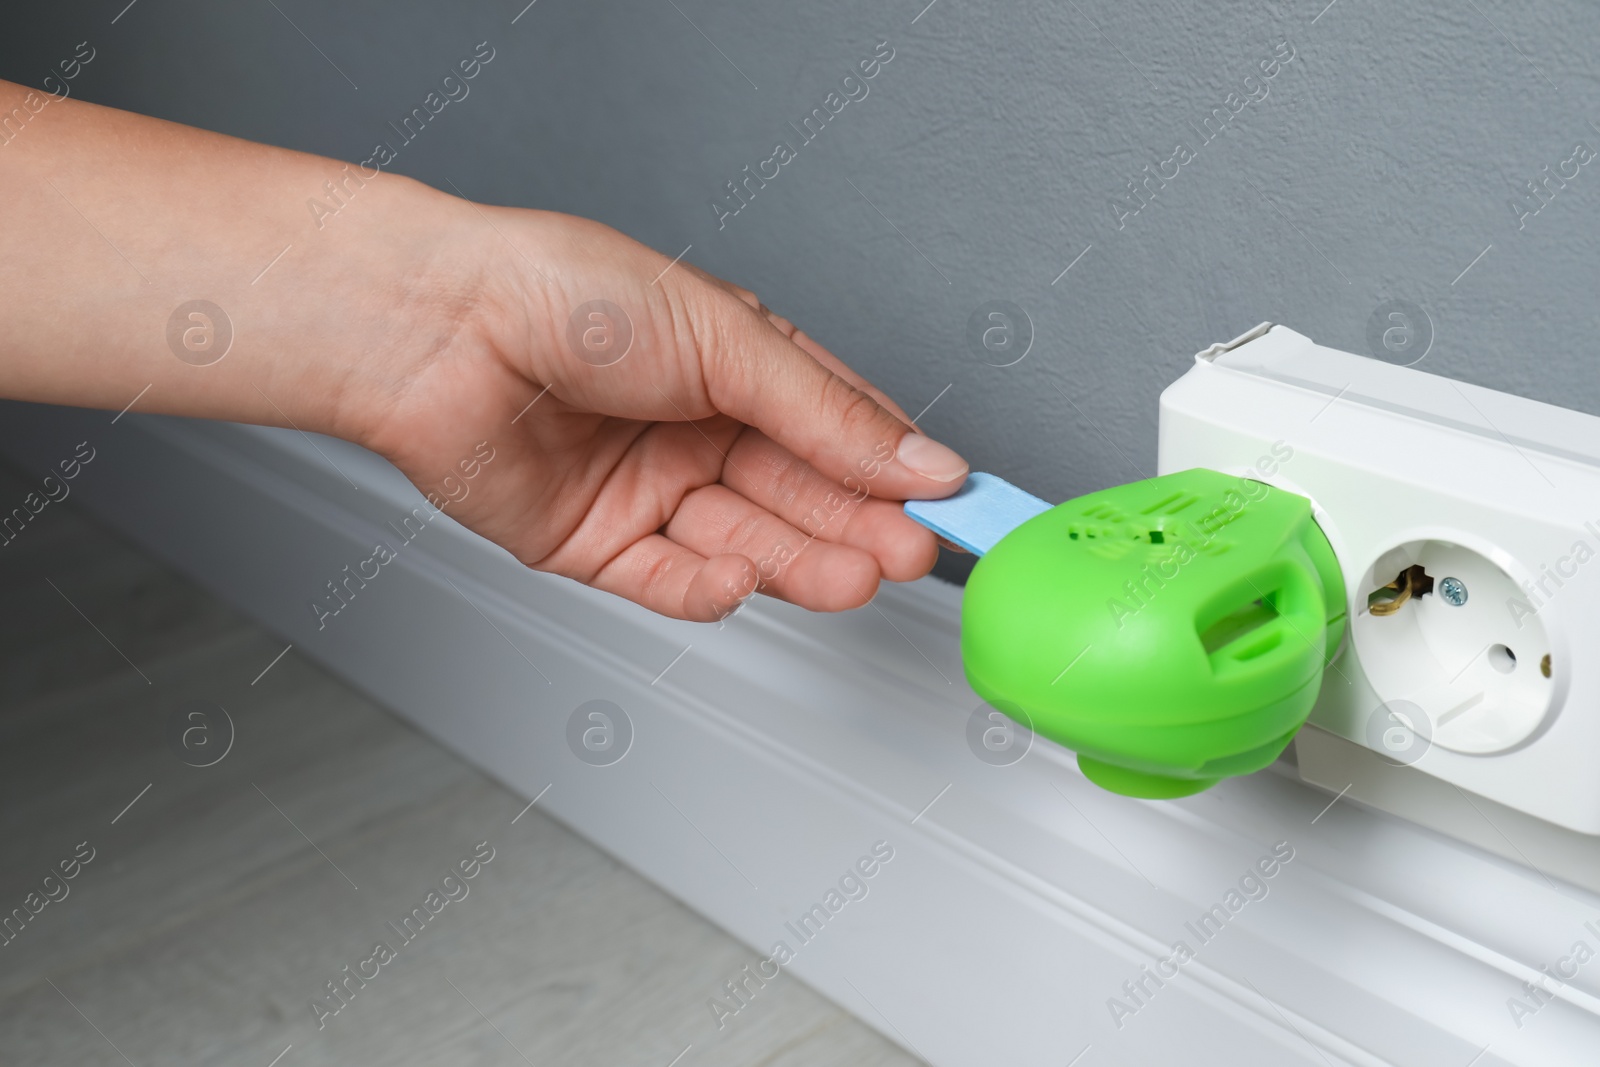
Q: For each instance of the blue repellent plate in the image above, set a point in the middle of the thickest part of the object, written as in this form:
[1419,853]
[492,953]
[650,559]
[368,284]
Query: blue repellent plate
[982,511]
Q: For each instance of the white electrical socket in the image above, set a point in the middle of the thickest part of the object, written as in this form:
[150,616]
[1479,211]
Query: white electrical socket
[1486,675]
[1480,676]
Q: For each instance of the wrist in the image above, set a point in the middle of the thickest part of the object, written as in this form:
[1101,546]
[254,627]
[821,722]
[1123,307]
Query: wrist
[403,295]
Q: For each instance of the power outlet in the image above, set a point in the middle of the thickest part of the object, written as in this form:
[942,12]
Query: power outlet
[1446,656]
[1464,521]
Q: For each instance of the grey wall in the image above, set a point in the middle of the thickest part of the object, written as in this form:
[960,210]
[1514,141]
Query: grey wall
[1382,160]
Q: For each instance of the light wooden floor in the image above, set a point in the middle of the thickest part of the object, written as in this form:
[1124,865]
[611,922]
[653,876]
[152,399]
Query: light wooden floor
[221,901]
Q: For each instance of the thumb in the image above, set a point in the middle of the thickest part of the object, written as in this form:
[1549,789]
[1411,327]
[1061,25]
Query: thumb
[760,377]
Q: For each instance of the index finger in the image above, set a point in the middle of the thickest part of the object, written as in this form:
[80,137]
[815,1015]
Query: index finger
[756,374]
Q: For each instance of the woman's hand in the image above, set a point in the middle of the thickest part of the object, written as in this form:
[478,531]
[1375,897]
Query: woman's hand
[656,432]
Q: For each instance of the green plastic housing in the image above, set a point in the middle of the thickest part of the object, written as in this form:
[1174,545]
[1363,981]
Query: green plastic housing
[1172,632]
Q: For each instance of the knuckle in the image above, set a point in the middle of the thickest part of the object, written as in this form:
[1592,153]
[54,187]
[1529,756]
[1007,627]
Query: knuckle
[717,323]
[855,410]
[745,295]
[785,327]
[788,478]
[656,575]
[745,531]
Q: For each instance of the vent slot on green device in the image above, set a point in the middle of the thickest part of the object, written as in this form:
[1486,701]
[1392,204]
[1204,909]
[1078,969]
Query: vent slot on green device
[1171,505]
[1238,626]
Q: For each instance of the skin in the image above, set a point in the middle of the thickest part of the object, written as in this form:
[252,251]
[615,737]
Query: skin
[725,452]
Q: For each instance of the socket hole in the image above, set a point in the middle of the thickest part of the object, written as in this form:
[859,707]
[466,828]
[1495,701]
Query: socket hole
[1409,583]
[1544,665]
[1157,537]
[1502,659]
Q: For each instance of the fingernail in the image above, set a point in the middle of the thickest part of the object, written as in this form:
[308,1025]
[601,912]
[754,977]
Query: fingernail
[927,457]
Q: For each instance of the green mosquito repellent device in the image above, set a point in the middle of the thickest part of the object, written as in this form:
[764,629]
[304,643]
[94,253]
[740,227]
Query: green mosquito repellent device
[1172,632]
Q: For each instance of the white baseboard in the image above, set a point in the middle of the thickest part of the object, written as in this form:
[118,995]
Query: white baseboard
[779,748]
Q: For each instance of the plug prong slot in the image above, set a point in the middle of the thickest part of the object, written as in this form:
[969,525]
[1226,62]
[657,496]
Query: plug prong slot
[1411,582]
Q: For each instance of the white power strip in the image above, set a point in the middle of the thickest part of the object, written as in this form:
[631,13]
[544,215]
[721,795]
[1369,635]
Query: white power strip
[1481,513]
